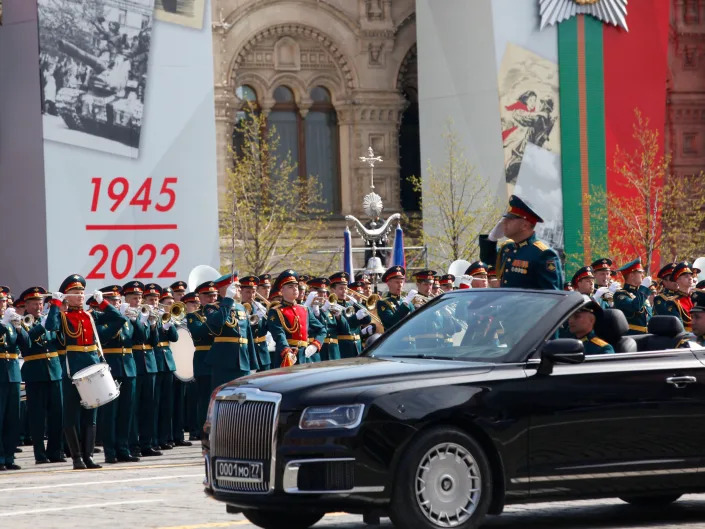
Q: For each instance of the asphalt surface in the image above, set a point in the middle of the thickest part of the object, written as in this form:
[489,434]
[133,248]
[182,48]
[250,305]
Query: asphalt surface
[167,493]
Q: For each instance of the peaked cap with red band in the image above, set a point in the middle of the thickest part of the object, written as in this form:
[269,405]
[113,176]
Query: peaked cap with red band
[476,268]
[394,271]
[585,271]
[319,283]
[339,278]
[189,297]
[178,286]
[425,275]
[286,277]
[249,281]
[447,279]
[111,291]
[206,288]
[684,268]
[72,282]
[519,209]
[152,289]
[167,293]
[602,264]
[227,279]
[32,293]
[133,287]
[632,266]
[265,280]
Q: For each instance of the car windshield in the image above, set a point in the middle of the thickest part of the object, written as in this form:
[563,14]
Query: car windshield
[480,326]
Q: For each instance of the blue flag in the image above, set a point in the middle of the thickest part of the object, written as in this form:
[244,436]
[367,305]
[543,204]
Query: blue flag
[347,255]
[398,256]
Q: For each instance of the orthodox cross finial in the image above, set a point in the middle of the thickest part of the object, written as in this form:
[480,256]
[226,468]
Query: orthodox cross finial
[371,160]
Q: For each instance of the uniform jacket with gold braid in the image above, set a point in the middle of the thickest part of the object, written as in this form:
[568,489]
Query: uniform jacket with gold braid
[162,350]
[41,361]
[233,343]
[9,354]
[391,309]
[259,331]
[634,303]
[669,303]
[294,326]
[74,332]
[335,327]
[202,339]
[350,348]
[528,264]
[116,340]
[143,348]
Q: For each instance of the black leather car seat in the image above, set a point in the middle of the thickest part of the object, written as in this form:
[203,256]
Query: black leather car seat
[612,327]
[667,332]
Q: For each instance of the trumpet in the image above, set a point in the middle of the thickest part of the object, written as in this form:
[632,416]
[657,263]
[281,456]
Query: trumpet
[369,301]
[336,307]
[175,314]
[252,318]
[28,320]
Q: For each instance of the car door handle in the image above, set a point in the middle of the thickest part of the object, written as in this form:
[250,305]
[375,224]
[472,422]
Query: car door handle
[681,382]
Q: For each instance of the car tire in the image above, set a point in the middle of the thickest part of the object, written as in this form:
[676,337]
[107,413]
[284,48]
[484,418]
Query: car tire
[282,520]
[452,460]
[651,501]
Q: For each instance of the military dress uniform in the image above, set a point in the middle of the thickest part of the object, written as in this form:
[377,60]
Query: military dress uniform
[634,301]
[391,309]
[333,325]
[530,263]
[41,372]
[75,332]
[259,330]
[698,298]
[164,335]
[10,379]
[202,340]
[292,326]
[232,354]
[142,425]
[350,343]
[116,340]
[594,345]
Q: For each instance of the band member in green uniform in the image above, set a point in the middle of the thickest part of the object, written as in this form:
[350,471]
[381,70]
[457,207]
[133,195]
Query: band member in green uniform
[41,372]
[259,330]
[680,303]
[582,325]
[164,391]
[698,314]
[264,285]
[391,309]
[10,379]
[633,299]
[446,282]
[584,281]
[232,354]
[292,325]
[602,270]
[523,261]
[76,331]
[180,400]
[203,340]
[350,344]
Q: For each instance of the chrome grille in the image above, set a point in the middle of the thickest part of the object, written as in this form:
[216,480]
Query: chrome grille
[244,430]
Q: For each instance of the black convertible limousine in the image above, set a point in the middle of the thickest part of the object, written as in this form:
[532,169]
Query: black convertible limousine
[465,406]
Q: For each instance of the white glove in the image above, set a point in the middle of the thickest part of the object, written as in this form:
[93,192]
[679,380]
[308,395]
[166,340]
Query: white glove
[98,296]
[614,287]
[124,307]
[411,295]
[231,291]
[310,350]
[43,320]
[597,296]
[57,295]
[497,232]
[166,326]
[326,305]
[367,331]
[316,310]
[144,318]
[465,281]
[646,282]
[261,313]
[309,299]
[361,314]
[9,314]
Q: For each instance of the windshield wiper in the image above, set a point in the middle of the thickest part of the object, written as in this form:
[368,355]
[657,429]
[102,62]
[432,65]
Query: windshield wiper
[425,357]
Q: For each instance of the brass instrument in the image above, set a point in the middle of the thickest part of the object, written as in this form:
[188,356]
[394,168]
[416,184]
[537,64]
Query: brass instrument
[27,320]
[252,318]
[175,314]
[369,301]
[336,307]
[263,300]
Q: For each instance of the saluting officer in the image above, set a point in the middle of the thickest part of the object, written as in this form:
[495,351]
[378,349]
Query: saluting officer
[350,344]
[164,390]
[232,354]
[523,261]
[698,314]
[116,340]
[259,331]
[10,380]
[203,340]
[41,372]
[633,299]
[298,335]
[391,309]
[75,330]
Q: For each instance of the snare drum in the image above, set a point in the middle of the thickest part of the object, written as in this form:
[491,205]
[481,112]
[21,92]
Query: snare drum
[95,385]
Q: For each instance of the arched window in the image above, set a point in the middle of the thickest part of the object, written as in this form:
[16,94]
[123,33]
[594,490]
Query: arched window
[321,134]
[286,119]
[246,95]
[409,153]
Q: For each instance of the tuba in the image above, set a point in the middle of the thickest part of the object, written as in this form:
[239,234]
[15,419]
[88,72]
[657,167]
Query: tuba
[201,274]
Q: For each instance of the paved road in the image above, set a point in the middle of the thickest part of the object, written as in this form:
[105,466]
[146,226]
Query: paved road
[166,493]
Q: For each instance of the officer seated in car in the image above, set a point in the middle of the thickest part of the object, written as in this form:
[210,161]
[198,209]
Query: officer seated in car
[582,325]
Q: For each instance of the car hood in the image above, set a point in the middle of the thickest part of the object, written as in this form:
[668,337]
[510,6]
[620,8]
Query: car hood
[309,384]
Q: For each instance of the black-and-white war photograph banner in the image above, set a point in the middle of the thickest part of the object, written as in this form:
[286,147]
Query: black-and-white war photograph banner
[93,67]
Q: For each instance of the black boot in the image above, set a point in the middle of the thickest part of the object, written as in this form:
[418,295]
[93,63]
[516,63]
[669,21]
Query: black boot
[74,448]
[88,446]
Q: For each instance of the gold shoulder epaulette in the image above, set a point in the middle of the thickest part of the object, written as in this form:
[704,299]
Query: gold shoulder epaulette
[541,245]
[598,341]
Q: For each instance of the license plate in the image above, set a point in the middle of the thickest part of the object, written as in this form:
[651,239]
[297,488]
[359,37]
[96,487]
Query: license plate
[239,471]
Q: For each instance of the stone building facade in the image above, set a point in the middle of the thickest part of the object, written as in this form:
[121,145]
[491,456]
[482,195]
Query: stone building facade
[338,75]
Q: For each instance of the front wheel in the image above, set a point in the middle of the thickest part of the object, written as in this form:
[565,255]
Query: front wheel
[651,501]
[444,480]
[282,520]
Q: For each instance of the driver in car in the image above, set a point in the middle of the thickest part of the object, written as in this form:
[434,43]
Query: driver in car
[582,325]
[698,314]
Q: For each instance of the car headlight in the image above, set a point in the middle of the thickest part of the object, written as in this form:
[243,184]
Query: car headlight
[330,417]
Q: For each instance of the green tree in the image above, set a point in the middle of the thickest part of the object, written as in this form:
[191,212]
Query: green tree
[457,205]
[270,217]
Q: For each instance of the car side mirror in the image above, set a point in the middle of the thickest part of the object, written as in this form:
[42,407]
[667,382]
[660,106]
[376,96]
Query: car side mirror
[561,351]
